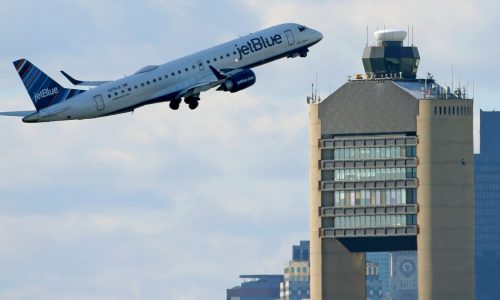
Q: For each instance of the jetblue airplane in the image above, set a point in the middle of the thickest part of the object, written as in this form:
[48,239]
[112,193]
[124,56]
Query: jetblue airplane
[227,67]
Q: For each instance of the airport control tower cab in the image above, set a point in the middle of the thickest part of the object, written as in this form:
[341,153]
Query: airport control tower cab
[390,58]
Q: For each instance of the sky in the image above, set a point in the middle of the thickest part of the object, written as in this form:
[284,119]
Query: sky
[163,204]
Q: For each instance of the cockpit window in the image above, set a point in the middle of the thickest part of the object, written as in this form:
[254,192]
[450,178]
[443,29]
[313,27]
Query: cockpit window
[301,28]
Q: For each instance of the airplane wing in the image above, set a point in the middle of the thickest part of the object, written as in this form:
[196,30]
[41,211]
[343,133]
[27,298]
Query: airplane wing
[199,87]
[83,83]
[23,113]
[196,89]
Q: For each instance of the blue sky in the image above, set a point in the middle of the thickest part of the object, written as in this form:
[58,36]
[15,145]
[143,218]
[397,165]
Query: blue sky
[165,204]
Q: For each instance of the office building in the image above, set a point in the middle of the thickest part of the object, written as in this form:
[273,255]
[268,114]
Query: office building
[256,287]
[383,262]
[391,169]
[300,252]
[487,194]
[404,276]
[374,290]
[296,281]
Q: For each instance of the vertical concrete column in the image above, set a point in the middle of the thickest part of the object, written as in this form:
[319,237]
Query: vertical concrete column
[343,272]
[336,273]
[314,202]
[445,195]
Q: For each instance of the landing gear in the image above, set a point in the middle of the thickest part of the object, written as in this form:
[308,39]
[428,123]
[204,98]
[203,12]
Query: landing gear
[192,102]
[193,105]
[300,52]
[174,104]
[303,53]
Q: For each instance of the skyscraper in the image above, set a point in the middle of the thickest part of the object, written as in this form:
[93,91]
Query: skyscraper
[296,283]
[391,169]
[487,194]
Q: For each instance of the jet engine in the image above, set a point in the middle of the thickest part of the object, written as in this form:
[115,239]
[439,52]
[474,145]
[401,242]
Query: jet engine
[239,81]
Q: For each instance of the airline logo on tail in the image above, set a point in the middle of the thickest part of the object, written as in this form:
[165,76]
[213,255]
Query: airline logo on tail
[45,93]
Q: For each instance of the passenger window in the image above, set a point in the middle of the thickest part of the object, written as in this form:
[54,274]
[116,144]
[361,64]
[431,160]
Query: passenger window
[135,87]
[116,93]
[166,76]
[109,96]
[142,84]
[228,55]
[215,59]
[129,89]
[147,82]
[234,52]
[173,74]
[194,67]
[154,80]
[186,69]
[222,57]
[179,71]
[159,78]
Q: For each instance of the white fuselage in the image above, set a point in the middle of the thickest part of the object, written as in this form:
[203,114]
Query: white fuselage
[161,83]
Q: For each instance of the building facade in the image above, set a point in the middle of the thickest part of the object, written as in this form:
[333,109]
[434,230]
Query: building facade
[404,276]
[256,287]
[487,194]
[296,281]
[391,169]
[374,285]
[383,261]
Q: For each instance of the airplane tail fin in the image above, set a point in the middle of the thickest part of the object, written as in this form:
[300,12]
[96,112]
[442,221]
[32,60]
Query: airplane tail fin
[43,90]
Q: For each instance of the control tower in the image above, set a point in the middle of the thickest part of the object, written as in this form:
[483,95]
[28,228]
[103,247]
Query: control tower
[391,169]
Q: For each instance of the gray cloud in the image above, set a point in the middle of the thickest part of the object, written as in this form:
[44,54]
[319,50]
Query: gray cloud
[177,204]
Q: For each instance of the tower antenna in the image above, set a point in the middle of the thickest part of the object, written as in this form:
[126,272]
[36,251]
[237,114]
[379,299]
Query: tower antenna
[316,90]
[412,35]
[452,87]
[408,40]
[366,36]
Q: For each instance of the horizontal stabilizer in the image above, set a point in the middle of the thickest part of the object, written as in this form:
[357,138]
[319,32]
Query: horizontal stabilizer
[81,82]
[22,113]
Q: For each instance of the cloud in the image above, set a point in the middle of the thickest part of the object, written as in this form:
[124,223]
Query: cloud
[163,204]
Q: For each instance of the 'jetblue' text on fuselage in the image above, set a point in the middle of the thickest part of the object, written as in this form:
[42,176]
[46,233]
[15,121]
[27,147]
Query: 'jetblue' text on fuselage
[257,44]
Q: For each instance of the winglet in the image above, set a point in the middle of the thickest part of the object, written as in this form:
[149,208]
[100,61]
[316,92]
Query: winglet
[217,74]
[71,79]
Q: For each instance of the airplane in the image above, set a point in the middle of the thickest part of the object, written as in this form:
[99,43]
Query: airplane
[226,66]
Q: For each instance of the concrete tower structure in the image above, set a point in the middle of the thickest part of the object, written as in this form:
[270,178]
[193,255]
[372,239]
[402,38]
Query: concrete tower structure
[391,169]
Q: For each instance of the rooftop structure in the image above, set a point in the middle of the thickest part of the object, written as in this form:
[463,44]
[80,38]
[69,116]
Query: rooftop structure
[256,287]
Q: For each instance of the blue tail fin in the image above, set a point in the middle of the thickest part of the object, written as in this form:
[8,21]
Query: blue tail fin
[43,90]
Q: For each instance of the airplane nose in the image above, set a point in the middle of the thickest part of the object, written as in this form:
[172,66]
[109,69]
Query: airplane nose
[319,35]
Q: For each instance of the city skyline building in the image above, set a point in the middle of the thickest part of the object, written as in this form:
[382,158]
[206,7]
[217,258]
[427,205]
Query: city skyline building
[256,287]
[404,275]
[374,285]
[487,197]
[391,169]
[383,261]
[295,285]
